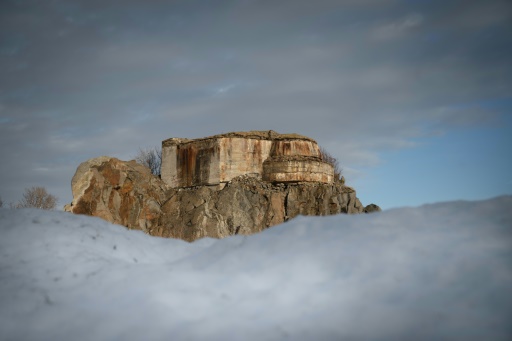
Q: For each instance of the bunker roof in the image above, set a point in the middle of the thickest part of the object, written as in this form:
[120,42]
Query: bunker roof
[253,134]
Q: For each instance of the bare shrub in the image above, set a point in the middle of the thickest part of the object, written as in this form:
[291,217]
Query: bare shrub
[327,157]
[37,197]
[1,202]
[151,158]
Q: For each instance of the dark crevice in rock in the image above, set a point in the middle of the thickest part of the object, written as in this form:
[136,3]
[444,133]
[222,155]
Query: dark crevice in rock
[286,206]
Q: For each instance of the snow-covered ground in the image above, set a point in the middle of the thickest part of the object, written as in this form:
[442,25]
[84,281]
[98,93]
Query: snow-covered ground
[437,272]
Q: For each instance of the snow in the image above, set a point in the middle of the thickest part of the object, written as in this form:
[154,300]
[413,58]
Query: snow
[437,272]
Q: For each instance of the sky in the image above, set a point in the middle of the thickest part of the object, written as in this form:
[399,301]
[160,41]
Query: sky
[413,97]
[436,272]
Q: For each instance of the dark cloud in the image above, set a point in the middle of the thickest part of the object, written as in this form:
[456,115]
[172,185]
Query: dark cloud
[84,78]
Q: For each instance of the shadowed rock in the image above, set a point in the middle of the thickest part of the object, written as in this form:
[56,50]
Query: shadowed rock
[372,208]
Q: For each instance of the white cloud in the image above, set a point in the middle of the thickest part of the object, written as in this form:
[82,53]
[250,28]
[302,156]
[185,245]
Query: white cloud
[223,89]
[399,27]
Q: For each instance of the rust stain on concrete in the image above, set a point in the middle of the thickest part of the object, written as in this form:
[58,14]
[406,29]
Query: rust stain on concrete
[220,158]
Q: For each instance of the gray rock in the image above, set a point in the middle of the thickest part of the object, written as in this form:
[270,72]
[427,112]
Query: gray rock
[372,208]
[126,193]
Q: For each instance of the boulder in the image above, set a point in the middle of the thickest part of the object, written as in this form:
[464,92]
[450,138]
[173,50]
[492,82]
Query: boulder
[126,193]
[372,208]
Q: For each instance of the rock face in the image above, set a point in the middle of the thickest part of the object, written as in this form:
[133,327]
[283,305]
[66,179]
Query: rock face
[126,193]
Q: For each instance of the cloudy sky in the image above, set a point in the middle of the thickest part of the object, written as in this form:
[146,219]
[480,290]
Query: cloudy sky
[413,97]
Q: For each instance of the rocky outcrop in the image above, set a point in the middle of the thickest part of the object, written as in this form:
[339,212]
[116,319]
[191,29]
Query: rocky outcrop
[126,193]
[247,205]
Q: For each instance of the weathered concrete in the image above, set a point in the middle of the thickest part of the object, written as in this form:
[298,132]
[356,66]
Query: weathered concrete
[295,147]
[220,158]
[240,156]
[186,164]
[297,169]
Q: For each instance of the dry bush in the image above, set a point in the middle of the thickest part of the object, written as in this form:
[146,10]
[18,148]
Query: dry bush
[1,202]
[327,157]
[151,158]
[37,197]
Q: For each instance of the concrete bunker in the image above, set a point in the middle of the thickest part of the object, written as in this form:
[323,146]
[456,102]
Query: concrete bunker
[266,155]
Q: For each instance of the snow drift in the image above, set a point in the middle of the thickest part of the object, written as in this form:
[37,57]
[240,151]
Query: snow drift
[441,271]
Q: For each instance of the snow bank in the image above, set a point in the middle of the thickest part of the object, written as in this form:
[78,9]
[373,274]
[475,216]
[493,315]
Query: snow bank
[441,271]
